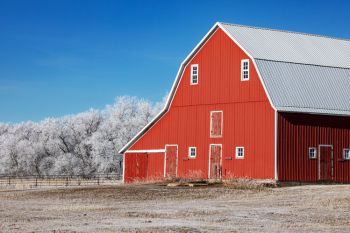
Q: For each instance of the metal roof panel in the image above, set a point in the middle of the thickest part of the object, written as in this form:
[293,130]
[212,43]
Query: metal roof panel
[306,88]
[294,47]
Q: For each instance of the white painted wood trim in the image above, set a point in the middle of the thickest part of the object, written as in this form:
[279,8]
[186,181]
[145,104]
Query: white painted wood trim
[123,168]
[146,151]
[276,145]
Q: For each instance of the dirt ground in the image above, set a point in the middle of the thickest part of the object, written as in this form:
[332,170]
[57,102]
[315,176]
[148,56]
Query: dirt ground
[153,208]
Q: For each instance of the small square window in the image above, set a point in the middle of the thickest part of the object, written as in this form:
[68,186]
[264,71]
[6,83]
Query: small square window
[312,153]
[192,152]
[194,74]
[346,154]
[239,152]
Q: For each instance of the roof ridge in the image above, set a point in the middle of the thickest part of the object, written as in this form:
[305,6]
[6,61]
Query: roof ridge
[300,63]
[286,31]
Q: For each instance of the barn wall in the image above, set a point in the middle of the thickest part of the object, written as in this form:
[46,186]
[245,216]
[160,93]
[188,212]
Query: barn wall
[143,166]
[247,113]
[298,132]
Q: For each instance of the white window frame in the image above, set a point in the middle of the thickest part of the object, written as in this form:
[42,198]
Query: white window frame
[189,152]
[192,66]
[344,150]
[237,152]
[309,153]
[242,70]
[211,124]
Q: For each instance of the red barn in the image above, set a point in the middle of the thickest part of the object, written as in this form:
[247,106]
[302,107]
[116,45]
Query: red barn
[252,102]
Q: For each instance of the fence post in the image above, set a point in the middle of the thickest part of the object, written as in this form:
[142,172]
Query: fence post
[36,181]
[66,181]
[9,182]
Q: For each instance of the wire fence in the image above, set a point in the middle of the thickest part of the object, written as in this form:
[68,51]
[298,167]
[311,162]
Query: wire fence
[27,182]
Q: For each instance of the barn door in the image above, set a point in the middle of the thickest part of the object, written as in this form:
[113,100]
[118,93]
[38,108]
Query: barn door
[325,169]
[215,162]
[170,161]
[216,120]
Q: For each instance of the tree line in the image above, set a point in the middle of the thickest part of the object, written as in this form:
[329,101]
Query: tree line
[84,144]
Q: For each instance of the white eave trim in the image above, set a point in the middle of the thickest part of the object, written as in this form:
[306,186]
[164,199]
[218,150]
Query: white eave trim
[146,151]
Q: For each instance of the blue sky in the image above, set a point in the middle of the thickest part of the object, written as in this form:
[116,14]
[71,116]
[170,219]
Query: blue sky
[62,57]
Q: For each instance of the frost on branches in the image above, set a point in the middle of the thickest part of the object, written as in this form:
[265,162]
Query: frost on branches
[84,144]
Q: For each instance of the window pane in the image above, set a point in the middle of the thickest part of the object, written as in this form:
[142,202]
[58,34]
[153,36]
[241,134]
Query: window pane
[193,152]
[312,153]
[240,152]
[346,154]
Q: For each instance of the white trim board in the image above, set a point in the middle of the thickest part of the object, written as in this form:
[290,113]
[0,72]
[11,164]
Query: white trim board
[146,151]
[276,145]
[123,168]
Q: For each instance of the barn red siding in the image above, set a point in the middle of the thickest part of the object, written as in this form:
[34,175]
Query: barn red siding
[298,132]
[248,118]
[143,166]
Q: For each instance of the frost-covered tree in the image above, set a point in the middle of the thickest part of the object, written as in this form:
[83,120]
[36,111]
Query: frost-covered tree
[84,144]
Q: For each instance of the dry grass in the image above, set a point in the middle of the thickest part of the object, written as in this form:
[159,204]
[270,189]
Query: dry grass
[236,206]
[246,183]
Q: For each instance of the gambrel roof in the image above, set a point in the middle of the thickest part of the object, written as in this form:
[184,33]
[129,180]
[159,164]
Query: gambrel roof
[299,72]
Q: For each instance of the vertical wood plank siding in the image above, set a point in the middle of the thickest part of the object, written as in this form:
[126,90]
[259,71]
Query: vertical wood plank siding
[143,166]
[248,118]
[298,132]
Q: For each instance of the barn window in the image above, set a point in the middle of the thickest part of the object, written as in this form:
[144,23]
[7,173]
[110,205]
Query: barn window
[245,70]
[312,153]
[194,74]
[192,152]
[216,122]
[346,154]
[239,152]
